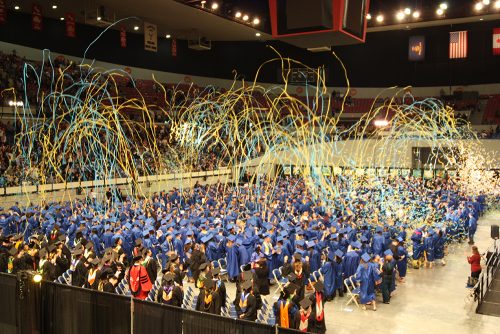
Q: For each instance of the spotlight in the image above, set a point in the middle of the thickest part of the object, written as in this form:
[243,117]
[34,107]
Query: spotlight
[168,36]
[400,16]
[407,11]
[215,5]
[381,123]
[256,21]
[245,17]
[486,2]
[497,4]
[439,11]
[257,34]
[479,6]
[16,7]
[237,15]
[37,278]
[380,18]
[443,6]
[368,16]
[136,28]
[203,2]
[54,6]
[61,18]
[416,14]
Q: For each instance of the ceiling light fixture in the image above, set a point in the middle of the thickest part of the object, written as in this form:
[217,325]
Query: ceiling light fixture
[237,15]
[497,4]
[443,6]
[16,7]
[215,5]
[245,17]
[256,21]
[380,18]
[168,36]
[439,11]
[136,28]
[368,16]
[486,2]
[61,18]
[407,11]
[99,18]
[416,14]
[54,6]
[400,16]
[257,34]
[479,6]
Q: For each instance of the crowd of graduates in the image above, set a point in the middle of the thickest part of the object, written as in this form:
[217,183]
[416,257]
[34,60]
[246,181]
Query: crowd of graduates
[360,237]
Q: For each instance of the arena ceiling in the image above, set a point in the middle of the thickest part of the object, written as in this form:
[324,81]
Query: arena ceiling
[186,19]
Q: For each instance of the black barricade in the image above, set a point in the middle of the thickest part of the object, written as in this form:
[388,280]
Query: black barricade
[71,310]
[288,331]
[156,318]
[8,304]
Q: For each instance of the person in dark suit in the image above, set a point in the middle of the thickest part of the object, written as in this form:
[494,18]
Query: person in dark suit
[262,276]
[169,293]
[245,302]
[80,269]
[208,299]
[150,264]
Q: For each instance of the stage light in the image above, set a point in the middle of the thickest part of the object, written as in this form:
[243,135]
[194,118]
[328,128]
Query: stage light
[257,34]
[486,2]
[215,5]
[497,4]
[16,7]
[54,6]
[16,104]
[439,11]
[380,18]
[479,6]
[368,16]
[168,36]
[407,11]
[245,17]
[400,16]
[237,15]
[136,28]
[37,278]
[416,14]
[256,21]
[443,6]
[381,123]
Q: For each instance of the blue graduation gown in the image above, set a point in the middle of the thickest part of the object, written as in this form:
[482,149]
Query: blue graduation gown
[338,269]
[402,263]
[439,247]
[314,260]
[429,248]
[351,262]
[378,244]
[243,257]
[233,269]
[367,276]
[329,278]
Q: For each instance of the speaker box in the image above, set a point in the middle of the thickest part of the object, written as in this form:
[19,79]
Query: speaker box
[494,232]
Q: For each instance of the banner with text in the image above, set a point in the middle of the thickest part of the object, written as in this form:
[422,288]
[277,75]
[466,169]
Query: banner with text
[36,17]
[150,37]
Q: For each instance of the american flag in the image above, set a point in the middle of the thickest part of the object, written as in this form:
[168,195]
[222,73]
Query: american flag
[458,44]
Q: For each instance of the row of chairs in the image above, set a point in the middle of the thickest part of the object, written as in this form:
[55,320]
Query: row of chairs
[65,278]
[266,314]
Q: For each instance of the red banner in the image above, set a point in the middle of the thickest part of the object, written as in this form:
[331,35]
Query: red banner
[123,37]
[36,17]
[174,47]
[3,12]
[70,24]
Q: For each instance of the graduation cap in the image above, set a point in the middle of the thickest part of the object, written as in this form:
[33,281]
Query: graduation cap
[291,277]
[42,253]
[388,252]
[51,248]
[95,261]
[231,238]
[246,284]
[215,271]
[356,244]
[339,253]
[310,244]
[208,283]
[138,242]
[137,257]
[363,239]
[246,275]
[297,257]
[168,277]
[319,286]
[174,258]
[13,251]
[305,303]
[78,251]
[203,266]
[89,245]
[365,257]
[378,229]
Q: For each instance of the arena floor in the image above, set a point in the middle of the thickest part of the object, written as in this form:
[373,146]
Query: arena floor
[431,300]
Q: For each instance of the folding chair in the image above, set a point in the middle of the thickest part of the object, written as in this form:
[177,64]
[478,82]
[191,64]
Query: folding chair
[223,269]
[352,291]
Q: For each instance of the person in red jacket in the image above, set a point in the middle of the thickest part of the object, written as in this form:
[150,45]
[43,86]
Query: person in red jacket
[475,263]
[138,279]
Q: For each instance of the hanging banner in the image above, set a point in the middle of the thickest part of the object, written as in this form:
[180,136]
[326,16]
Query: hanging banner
[123,37]
[174,47]
[3,12]
[36,17]
[150,37]
[70,24]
